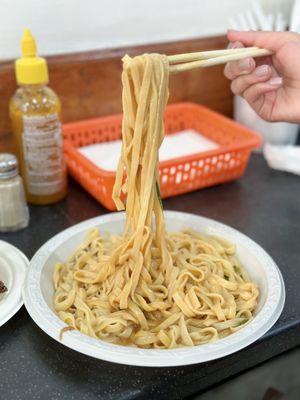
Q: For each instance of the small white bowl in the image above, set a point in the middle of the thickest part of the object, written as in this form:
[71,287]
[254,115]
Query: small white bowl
[13,266]
[38,292]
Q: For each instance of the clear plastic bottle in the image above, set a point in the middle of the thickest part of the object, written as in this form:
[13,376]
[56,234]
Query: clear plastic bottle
[35,113]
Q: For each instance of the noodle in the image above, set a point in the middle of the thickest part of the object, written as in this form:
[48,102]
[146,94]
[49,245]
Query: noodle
[147,287]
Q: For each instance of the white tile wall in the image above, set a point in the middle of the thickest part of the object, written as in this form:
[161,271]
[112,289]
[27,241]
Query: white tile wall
[62,26]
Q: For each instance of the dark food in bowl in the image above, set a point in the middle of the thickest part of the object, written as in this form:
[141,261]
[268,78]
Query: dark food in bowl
[3,288]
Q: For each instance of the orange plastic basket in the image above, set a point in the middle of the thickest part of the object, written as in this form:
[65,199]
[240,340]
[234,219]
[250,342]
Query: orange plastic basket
[177,176]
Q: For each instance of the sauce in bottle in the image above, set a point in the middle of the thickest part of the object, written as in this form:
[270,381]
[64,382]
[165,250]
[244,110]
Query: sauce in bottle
[35,113]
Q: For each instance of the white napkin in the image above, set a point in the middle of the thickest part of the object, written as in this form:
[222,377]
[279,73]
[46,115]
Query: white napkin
[284,158]
[106,155]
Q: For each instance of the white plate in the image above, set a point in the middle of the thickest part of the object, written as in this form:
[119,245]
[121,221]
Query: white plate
[38,292]
[13,265]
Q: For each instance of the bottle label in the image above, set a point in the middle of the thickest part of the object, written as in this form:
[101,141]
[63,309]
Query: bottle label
[42,142]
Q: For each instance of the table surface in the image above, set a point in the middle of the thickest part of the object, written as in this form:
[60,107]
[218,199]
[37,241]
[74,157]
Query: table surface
[264,204]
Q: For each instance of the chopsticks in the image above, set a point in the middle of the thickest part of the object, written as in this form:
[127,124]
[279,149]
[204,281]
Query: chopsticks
[185,62]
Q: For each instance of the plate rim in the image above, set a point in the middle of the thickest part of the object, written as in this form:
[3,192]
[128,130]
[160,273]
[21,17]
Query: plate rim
[149,357]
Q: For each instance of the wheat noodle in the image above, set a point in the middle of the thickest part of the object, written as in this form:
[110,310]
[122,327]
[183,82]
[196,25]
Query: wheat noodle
[147,287]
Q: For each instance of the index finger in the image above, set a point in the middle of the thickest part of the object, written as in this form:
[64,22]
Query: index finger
[266,39]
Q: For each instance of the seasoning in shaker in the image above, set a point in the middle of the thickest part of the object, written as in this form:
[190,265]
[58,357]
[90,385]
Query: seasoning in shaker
[14,213]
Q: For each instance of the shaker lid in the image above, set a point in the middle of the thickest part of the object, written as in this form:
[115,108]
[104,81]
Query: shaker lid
[8,165]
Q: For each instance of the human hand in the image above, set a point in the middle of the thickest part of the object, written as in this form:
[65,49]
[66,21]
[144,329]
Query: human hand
[271,85]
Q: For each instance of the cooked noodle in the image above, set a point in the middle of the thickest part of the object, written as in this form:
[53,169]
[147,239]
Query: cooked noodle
[147,287]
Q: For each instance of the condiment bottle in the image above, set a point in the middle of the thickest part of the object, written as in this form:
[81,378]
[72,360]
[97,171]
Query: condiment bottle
[35,113]
[14,213]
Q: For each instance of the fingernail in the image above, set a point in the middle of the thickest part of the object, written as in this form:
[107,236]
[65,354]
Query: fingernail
[237,45]
[277,80]
[262,70]
[245,64]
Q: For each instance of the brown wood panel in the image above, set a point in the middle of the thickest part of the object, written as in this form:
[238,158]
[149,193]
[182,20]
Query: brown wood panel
[89,85]
[7,144]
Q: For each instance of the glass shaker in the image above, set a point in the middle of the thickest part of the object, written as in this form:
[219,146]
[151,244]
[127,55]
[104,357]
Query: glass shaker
[14,213]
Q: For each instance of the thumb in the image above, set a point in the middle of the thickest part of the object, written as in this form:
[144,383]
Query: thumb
[266,39]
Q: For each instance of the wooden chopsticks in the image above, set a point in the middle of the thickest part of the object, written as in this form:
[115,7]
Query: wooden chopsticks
[185,62]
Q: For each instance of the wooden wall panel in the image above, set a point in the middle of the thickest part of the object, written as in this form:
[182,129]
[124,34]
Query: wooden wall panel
[89,83]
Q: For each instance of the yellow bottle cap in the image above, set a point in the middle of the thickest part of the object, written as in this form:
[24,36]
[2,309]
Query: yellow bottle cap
[30,69]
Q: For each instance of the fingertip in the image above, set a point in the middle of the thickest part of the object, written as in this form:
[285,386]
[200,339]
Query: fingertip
[246,37]
[246,65]
[232,33]
[252,64]
[226,72]
[237,45]
[263,71]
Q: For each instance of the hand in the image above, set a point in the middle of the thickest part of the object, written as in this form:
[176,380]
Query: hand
[271,85]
